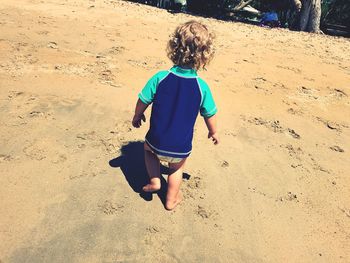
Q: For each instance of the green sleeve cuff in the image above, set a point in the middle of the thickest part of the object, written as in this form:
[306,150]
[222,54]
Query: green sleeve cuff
[143,99]
[208,107]
[209,113]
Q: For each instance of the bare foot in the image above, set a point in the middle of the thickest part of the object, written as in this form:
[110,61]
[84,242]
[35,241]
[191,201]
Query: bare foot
[151,188]
[170,205]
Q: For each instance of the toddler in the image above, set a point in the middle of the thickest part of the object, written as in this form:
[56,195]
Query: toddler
[177,95]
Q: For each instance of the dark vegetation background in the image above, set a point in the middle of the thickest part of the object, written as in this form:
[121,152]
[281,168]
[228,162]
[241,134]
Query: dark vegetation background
[335,14]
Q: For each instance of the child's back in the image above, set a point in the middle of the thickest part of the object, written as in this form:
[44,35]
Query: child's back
[178,95]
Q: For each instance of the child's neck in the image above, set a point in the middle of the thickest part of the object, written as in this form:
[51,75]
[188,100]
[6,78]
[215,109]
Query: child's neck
[185,66]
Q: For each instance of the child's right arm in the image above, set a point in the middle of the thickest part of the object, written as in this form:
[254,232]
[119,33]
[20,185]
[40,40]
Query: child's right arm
[139,116]
[212,128]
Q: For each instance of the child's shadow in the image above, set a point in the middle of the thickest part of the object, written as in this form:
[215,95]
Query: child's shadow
[132,164]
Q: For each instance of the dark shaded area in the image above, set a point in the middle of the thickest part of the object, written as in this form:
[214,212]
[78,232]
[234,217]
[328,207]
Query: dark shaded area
[334,16]
[132,164]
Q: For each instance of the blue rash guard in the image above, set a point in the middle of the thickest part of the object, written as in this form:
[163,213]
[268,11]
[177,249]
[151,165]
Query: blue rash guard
[178,95]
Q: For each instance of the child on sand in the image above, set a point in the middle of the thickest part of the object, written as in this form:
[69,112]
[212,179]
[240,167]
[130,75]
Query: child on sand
[178,95]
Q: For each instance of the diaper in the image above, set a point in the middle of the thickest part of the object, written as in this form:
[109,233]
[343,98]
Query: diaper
[169,159]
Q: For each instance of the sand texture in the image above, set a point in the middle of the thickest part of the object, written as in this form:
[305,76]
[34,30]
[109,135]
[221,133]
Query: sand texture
[277,188]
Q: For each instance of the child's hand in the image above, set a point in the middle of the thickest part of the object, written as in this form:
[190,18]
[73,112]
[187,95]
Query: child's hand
[214,137]
[137,120]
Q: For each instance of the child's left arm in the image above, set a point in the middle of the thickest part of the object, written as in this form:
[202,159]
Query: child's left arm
[208,110]
[212,129]
[139,116]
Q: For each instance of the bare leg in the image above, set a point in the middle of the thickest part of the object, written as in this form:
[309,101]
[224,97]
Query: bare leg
[153,169]
[174,196]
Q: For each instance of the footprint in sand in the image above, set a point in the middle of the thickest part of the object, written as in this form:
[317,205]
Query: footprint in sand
[332,125]
[249,61]
[52,45]
[316,166]
[303,160]
[232,69]
[274,126]
[110,208]
[337,94]
[36,114]
[336,148]
[294,111]
[295,70]
[107,142]
[202,212]
[115,50]
[262,84]
[106,76]
[78,175]
[14,94]
[230,133]
[194,183]
[44,32]
[87,139]
[192,186]
[60,158]
[107,54]
[27,108]
[292,133]
[279,85]
[148,63]
[109,145]
[261,88]
[259,192]
[82,70]
[42,110]
[34,152]
[122,127]
[293,151]
[309,79]
[153,229]
[308,93]
[43,107]
[288,197]
[205,213]
[30,59]
[5,158]
[153,239]
[67,105]
[345,211]
[260,79]
[87,136]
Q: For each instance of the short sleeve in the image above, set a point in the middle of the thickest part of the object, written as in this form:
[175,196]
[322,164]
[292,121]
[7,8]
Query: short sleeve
[208,107]
[147,93]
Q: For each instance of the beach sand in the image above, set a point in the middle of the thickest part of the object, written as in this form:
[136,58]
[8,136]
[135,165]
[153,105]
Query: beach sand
[275,190]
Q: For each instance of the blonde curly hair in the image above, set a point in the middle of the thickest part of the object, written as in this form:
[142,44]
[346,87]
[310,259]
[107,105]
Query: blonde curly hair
[191,45]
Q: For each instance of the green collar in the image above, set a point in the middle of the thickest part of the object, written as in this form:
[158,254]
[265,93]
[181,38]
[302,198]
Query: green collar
[184,72]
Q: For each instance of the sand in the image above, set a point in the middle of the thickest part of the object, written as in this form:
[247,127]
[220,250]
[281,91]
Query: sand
[275,190]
